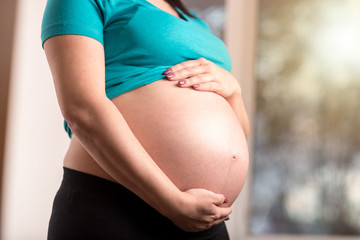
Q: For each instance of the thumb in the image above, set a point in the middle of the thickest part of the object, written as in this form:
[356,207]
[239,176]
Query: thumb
[220,199]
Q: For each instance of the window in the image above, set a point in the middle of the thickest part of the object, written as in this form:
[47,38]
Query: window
[306,148]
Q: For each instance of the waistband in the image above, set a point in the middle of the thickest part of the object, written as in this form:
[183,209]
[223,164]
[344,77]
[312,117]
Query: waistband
[77,180]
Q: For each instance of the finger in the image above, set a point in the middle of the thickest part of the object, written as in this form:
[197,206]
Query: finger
[207,86]
[188,72]
[186,64]
[189,63]
[224,212]
[219,199]
[225,218]
[218,222]
[220,215]
[215,218]
[198,79]
[182,65]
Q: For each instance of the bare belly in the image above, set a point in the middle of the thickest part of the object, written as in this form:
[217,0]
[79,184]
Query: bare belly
[193,136]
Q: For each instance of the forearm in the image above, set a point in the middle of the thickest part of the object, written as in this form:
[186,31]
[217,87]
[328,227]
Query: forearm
[105,134]
[237,104]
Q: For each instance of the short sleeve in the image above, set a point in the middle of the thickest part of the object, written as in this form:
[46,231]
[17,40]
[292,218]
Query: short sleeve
[82,17]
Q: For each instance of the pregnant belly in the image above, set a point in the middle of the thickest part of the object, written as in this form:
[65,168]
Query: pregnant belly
[193,136]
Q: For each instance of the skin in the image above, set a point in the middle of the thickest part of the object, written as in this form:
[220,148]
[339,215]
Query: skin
[77,67]
[204,75]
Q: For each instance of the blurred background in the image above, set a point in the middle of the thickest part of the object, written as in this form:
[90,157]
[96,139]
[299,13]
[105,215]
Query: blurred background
[298,62]
[306,157]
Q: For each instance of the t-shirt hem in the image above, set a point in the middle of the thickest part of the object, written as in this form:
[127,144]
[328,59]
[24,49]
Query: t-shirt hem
[128,86]
[116,91]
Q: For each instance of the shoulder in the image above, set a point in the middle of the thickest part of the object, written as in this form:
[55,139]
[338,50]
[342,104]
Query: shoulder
[84,17]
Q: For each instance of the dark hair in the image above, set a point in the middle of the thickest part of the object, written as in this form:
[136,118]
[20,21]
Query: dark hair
[179,4]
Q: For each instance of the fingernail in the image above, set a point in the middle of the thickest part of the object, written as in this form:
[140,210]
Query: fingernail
[226,200]
[170,75]
[167,71]
[181,82]
[227,218]
[196,85]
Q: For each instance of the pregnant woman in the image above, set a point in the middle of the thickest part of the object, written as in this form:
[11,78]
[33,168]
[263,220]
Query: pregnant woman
[156,120]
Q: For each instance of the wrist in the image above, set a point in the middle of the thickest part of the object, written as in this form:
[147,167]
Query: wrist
[172,204]
[181,206]
[237,94]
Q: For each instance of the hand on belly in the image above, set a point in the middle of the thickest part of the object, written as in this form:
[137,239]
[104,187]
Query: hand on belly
[194,137]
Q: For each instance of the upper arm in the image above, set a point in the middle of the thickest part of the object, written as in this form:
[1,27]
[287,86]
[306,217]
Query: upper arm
[77,66]
[72,37]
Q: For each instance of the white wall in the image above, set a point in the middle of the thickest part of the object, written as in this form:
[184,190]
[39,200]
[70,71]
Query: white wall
[35,141]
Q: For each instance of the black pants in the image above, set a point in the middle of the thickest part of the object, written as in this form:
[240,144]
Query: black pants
[88,207]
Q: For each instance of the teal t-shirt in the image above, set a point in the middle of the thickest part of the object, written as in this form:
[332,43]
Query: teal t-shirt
[140,40]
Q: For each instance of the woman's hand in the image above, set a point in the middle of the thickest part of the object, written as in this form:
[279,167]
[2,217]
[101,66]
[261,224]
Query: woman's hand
[199,209]
[204,75]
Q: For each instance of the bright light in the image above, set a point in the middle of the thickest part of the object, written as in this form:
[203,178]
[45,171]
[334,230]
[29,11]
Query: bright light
[337,41]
